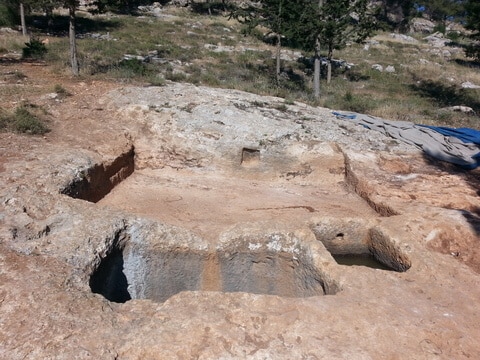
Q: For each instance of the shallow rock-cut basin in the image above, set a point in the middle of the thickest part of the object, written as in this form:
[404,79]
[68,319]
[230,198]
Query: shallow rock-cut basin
[209,204]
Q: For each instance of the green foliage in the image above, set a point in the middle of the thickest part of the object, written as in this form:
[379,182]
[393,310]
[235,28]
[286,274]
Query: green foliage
[179,45]
[255,32]
[61,91]
[440,27]
[356,103]
[43,5]
[440,10]
[134,67]
[118,6]
[8,13]
[473,23]
[34,49]
[132,70]
[211,7]
[272,14]
[453,35]
[26,122]
[4,119]
[22,121]
[473,51]
[448,95]
[395,15]
[473,15]
[334,24]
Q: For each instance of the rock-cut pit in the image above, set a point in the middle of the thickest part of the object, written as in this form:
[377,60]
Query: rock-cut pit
[276,189]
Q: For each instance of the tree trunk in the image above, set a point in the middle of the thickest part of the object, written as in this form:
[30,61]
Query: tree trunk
[278,69]
[329,65]
[317,63]
[49,16]
[329,71]
[22,19]
[209,8]
[316,70]
[73,43]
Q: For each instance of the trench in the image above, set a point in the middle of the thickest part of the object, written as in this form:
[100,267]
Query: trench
[96,182]
[140,271]
[362,189]
[268,265]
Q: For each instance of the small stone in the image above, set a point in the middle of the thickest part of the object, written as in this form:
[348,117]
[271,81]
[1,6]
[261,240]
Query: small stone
[461,108]
[390,69]
[469,85]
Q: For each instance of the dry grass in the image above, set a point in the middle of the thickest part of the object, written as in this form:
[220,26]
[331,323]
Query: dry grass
[12,42]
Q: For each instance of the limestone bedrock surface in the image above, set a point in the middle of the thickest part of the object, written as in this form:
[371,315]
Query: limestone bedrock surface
[183,222]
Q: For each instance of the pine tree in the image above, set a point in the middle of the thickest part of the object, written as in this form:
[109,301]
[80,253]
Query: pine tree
[396,14]
[8,12]
[472,8]
[330,25]
[277,15]
[441,10]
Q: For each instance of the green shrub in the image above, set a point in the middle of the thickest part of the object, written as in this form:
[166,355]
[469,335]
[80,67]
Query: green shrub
[348,97]
[356,103]
[473,51]
[156,80]
[132,67]
[4,119]
[453,35]
[440,27]
[23,121]
[34,49]
[61,91]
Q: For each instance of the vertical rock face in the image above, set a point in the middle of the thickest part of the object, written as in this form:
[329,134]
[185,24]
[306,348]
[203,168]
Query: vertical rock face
[214,228]
[96,182]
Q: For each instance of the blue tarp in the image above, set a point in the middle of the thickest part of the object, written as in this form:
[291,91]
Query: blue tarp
[459,146]
[466,135]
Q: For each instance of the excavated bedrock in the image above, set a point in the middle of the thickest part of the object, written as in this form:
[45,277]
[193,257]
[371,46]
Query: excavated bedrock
[150,270]
[97,181]
[276,264]
[216,224]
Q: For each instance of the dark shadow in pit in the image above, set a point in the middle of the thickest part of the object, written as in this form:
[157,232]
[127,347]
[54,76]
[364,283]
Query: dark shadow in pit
[473,218]
[367,260]
[96,182]
[109,279]
[158,275]
[250,157]
[351,243]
